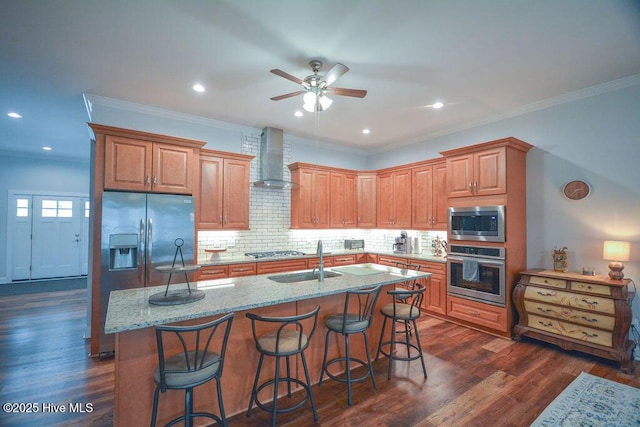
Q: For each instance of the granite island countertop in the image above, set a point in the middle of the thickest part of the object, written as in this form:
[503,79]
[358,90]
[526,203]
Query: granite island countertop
[129,309]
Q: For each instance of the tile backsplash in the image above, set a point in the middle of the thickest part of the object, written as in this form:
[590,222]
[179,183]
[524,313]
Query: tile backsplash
[270,221]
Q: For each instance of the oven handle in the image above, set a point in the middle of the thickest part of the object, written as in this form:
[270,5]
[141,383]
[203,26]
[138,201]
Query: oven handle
[480,261]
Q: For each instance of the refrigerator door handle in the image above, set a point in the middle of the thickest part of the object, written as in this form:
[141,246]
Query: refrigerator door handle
[141,254]
[149,249]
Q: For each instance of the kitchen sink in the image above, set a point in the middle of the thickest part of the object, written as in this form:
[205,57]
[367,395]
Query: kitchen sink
[302,276]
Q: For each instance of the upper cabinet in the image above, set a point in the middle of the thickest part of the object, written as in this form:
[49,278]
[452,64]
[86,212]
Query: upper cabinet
[342,204]
[224,191]
[481,170]
[394,198]
[429,196]
[310,197]
[139,161]
[366,199]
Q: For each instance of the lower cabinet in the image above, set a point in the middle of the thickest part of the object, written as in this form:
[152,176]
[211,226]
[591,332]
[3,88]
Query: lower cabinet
[477,313]
[279,266]
[344,260]
[435,297]
[244,269]
[211,272]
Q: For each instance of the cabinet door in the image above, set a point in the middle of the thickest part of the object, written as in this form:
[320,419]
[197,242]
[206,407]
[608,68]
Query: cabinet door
[210,200]
[490,175]
[422,203]
[402,199]
[235,205]
[460,175]
[336,209]
[366,200]
[385,207]
[350,201]
[172,169]
[128,164]
[321,199]
[440,214]
[305,200]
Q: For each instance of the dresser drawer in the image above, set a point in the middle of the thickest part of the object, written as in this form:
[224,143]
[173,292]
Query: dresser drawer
[586,302]
[591,287]
[566,329]
[547,281]
[570,315]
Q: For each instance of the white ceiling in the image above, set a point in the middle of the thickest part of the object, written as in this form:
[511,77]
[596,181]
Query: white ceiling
[483,58]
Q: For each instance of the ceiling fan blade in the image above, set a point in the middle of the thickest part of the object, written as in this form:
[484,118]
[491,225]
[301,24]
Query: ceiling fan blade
[334,73]
[288,95]
[286,76]
[358,93]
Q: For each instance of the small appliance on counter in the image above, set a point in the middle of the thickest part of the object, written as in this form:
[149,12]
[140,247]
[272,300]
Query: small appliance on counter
[354,244]
[402,244]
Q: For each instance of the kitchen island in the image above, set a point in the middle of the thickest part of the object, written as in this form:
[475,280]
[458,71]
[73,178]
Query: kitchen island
[132,318]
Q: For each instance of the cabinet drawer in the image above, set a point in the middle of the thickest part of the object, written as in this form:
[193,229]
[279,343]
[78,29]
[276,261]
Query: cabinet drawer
[238,270]
[278,266]
[215,272]
[344,260]
[570,315]
[587,302]
[591,287]
[315,262]
[571,330]
[547,281]
[431,267]
[390,260]
[477,313]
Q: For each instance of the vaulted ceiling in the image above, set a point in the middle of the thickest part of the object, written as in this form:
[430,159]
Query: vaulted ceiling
[484,59]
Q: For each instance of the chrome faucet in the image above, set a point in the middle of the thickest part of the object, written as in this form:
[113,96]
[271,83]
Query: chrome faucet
[321,265]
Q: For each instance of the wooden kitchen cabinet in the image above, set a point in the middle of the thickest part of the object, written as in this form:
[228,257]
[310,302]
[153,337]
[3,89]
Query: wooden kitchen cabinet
[435,296]
[344,260]
[242,269]
[476,313]
[342,212]
[224,188]
[211,272]
[328,261]
[366,199]
[310,198]
[390,260]
[591,314]
[279,266]
[429,196]
[394,198]
[140,165]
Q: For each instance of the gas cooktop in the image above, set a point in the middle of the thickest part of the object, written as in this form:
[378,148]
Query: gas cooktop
[274,254]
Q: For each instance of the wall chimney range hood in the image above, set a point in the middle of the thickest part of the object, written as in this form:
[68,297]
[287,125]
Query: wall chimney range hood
[272,160]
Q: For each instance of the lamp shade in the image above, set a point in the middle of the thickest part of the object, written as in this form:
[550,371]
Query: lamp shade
[616,251]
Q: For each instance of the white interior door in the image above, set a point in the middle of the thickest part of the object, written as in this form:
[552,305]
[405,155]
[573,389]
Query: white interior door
[57,236]
[19,236]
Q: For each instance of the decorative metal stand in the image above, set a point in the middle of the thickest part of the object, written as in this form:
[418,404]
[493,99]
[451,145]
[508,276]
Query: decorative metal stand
[182,296]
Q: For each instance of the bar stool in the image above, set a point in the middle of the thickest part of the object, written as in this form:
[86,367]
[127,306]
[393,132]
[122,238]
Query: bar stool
[289,339]
[408,284]
[359,306]
[200,360]
[406,310]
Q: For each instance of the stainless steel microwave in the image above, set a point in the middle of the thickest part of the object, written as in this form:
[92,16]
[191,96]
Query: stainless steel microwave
[477,223]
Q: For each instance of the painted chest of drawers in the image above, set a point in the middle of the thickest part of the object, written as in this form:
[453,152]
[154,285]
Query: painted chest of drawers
[591,314]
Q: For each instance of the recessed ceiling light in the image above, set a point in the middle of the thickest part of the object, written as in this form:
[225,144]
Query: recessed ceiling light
[298,113]
[198,88]
[437,105]
[366,131]
[46,148]
[14,115]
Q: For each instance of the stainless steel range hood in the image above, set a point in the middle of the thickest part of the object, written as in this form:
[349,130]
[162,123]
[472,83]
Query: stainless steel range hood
[272,160]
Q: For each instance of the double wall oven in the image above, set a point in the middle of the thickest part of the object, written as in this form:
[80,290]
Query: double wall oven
[476,271]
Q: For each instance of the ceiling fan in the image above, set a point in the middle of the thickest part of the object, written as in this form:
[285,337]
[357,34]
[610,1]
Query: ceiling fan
[316,86]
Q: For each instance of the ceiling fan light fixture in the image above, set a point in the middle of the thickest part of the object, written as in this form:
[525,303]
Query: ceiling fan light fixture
[310,98]
[325,102]
[309,107]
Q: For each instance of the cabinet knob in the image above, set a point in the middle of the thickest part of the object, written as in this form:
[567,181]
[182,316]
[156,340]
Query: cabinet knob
[147,180]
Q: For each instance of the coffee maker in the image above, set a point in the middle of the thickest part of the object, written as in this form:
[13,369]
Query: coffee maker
[402,244]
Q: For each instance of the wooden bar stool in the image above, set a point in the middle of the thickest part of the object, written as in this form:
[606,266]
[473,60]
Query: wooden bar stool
[200,360]
[359,306]
[406,310]
[288,339]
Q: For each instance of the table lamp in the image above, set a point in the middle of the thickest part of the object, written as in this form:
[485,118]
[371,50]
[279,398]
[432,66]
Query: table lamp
[616,252]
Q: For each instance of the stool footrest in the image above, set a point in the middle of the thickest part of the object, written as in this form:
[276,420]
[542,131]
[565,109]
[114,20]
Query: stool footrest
[214,417]
[282,380]
[351,360]
[395,356]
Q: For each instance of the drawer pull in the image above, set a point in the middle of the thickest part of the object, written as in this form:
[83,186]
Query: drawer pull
[474,313]
[545,310]
[589,320]
[546,324]
[589,303]
[588,335]
[212,271]
[546,294]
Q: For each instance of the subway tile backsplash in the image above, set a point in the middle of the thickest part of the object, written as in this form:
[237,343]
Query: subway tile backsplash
[270,220]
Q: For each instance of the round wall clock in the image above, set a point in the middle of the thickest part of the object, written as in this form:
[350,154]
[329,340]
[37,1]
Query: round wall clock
[576,190]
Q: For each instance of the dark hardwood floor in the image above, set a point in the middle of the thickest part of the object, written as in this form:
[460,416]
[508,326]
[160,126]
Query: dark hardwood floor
[474,379]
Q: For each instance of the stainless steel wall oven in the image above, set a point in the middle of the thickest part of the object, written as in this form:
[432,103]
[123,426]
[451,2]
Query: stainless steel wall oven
[477,273]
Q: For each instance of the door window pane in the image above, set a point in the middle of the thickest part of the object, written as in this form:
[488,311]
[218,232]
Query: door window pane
[57,208]
[86,209]
[22,207]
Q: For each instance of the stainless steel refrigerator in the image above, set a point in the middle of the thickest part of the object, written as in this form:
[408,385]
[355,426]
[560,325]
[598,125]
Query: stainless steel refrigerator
[139,231]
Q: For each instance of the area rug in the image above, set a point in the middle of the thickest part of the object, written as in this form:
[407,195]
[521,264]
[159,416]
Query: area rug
[593,401]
